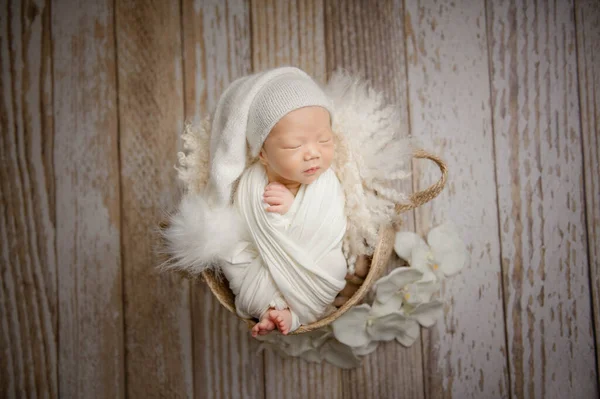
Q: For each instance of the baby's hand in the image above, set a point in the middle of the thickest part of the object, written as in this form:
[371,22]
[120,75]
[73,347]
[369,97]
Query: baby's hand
[278,197]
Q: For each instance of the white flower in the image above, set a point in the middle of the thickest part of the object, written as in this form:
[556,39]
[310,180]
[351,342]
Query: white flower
[425,314]
[339,354]
[402,285]
[367,349]
[410,334]
[395,282]
[409,317]
[358,327]
[444,256]
[314,346]
[296,345]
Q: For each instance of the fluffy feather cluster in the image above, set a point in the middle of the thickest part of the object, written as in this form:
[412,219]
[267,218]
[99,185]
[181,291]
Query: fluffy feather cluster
[371,159]
[199,235]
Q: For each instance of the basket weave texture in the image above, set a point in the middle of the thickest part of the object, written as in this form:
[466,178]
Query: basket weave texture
[220,288]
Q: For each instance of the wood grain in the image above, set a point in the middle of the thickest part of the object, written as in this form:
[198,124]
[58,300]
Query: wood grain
[289,33]
[541,199]
[367,39]
[587,17]
[216,43]
[28,265]
[91,355]
[93,99]
[292,33]
[158,331]
[448,86]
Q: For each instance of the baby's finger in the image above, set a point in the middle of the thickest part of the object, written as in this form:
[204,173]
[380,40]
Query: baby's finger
[273,192]
[277,208]
[273,200]
[273,195]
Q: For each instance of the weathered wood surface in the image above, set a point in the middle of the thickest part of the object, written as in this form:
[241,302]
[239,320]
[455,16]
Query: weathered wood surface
[541,200]
[94,96]
[158,328]
[449,96]
[587,18]
[367,39]
[292,33]
[216,44]
[88,222]
[289,33]
[28,254]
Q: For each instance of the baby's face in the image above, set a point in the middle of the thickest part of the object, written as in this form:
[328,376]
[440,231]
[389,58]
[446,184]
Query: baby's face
[299,148]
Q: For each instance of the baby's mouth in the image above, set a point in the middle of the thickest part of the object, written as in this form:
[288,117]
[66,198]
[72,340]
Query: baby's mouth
[312,170]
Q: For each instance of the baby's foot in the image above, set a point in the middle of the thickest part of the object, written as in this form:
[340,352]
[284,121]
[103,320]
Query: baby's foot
[283,320]
[263,327]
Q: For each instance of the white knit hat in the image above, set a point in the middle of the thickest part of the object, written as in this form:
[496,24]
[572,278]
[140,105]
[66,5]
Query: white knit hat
[245,115]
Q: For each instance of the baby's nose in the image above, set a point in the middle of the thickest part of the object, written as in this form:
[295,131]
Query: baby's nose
[311,153]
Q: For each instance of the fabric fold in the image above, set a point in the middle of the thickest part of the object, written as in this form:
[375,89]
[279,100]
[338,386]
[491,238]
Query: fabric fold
[297,256]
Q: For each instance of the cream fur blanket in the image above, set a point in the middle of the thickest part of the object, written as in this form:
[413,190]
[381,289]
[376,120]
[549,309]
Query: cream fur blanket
[293,259]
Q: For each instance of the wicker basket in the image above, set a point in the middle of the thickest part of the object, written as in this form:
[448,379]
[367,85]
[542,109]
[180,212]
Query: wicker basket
[220,288]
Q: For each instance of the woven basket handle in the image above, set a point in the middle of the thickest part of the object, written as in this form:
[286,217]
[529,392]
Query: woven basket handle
[422,197]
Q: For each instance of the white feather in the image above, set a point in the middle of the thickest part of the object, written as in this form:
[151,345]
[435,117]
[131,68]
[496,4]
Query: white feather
[199,236]
[372,157]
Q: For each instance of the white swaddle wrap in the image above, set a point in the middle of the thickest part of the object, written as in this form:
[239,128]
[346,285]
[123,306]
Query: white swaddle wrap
[296,258]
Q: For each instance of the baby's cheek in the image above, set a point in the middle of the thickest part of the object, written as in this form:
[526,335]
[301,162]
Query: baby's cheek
[292,167]
[327,158]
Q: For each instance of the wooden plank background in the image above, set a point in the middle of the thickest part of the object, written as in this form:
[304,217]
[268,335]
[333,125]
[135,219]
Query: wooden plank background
[94,95]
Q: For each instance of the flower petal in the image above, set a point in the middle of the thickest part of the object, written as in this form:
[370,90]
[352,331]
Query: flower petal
[426,290]
[409,335]
[405,242]
[350,328]
[320,336]
[313,355]
[295,345]
[339,355]
[388,327]
[388,285]
[393,304]
[448,247]
[365,350]
[421,256]
[428,313]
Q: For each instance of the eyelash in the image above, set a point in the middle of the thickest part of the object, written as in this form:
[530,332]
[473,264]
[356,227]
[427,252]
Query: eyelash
[295,148]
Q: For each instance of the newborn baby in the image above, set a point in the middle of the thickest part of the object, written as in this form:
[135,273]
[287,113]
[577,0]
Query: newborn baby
[296,154]
[298,151]
[291,267]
